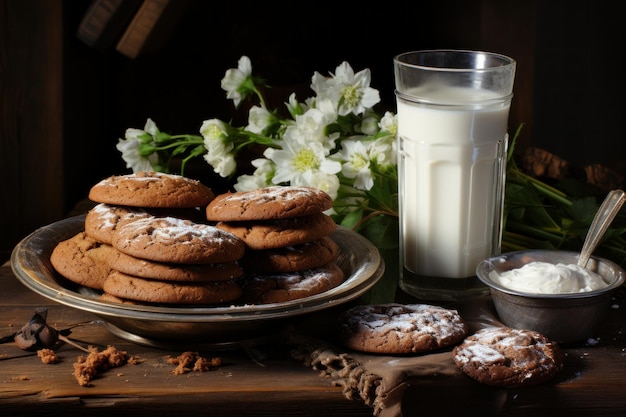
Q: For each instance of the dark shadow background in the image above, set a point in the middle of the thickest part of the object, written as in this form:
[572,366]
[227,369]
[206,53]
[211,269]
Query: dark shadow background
[64,104]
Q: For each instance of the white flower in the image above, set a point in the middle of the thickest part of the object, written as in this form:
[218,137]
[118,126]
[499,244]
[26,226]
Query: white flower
[328,110]
[369,125]
[218,154]
[295,108]
[350,91]
[323,86]
[131,154]
[356,163]
[224,165]
[319,179]
[130,147]
[259,179]
[384,151]
[299,161]
[311,126]
[389,123]
[235,78]
[151,128]
[259,118]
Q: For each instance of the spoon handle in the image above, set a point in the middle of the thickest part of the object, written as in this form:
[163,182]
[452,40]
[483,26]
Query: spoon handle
[603,218]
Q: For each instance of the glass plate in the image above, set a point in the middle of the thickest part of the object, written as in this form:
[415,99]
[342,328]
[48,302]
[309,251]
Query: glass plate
[189,327]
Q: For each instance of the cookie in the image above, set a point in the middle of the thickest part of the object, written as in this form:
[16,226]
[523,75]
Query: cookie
[81,260]
[144,268]
[271,234]
[400,328]
[151,189]
[506,357]
[279,288]
[128,287]
[314,254]
[114,299]
[102,221]
[172,240]
[277,202]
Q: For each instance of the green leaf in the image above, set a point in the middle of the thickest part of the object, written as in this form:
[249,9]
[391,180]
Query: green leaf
[583,210]
[382,231]
[351,219]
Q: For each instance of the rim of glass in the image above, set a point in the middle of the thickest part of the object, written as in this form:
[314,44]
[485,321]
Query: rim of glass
[505,60]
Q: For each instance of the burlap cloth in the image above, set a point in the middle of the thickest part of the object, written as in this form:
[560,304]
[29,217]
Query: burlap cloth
[379,380]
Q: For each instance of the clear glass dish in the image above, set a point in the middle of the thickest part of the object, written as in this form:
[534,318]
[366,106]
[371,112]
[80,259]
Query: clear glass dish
[189,327]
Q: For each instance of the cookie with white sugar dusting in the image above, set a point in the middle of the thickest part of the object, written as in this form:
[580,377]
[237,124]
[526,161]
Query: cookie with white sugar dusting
[272,234]
[103,220]
[288,286]
[400,328]
[151,189]
[169,239]
[507,357]
[276,202]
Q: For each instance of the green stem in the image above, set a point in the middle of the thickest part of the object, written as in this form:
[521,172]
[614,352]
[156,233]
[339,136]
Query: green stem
[190,140]
[555,236]
[259,95]
[543,188]
[255,138]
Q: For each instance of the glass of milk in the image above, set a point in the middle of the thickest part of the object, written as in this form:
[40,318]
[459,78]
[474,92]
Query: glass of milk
[453,109]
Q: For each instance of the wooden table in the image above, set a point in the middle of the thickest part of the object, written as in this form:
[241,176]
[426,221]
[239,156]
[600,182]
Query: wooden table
[267,381]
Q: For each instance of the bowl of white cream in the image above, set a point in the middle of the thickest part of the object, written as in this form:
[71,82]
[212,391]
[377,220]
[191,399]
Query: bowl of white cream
[546,291]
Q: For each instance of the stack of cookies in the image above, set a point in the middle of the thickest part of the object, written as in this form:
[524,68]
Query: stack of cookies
[289,254]
[157,238]
[146,241]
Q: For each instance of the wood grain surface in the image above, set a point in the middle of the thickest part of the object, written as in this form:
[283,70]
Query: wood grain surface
[265,381]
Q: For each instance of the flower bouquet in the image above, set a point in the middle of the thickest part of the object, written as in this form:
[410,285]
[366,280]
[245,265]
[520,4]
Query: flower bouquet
[333,140]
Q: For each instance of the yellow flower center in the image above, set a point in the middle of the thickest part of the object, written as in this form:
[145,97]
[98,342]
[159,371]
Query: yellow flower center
[213,132]
[359,161]
[351,95]
[305,160]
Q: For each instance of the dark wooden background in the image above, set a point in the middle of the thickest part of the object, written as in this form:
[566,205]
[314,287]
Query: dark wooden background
[64,104]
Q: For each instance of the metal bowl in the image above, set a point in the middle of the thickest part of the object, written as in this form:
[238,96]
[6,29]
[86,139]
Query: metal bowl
[564,317]
[219,327]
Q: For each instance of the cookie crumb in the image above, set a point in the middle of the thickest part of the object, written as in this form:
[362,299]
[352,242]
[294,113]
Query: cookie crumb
[192,361]
[48,356]
[87,368]
[204,364]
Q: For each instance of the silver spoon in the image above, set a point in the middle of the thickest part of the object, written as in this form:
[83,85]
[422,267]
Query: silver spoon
[604,216]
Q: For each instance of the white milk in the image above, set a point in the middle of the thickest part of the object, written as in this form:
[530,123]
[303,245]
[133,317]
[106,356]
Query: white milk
[452,162]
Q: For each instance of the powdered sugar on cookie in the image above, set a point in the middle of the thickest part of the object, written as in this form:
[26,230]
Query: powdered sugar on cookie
[169,239]
[276,288]
[276,202]
[503,356]
[175,230]
[400,328]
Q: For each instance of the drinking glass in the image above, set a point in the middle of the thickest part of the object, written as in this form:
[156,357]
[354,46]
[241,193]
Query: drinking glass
[453,109]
